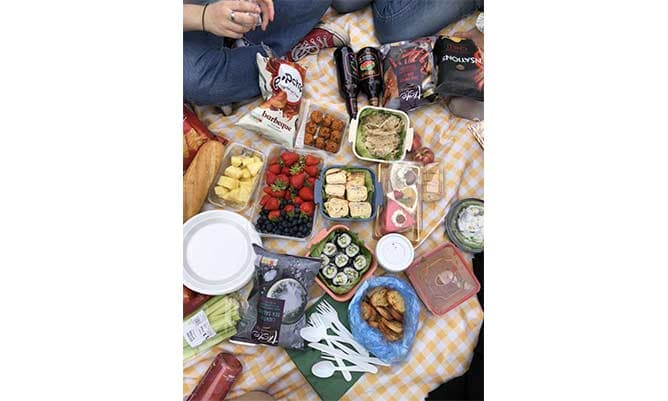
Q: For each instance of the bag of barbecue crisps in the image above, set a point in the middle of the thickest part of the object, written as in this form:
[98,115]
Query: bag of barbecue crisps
[281,84]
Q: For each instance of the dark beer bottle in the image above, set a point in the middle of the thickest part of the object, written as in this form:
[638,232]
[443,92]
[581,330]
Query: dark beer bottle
[371,79]
[348,76]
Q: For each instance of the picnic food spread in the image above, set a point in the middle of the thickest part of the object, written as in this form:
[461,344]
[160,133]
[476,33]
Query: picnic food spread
[240,291]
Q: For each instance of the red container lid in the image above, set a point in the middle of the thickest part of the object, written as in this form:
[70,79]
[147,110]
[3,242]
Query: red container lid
[443,279]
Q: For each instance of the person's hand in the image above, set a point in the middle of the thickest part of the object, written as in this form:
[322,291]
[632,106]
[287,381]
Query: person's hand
[219,15]
[267,12]
[475,35]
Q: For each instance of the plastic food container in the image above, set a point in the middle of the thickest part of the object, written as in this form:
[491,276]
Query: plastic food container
[274,152]
[306,117]
[451,226]
[354,130]
[401,209]
[443,279]
[236,149]
[433,182]
[394,253]
[370,271]
[375,200]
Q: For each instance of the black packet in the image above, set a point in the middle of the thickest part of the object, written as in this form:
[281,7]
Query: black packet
[460,68]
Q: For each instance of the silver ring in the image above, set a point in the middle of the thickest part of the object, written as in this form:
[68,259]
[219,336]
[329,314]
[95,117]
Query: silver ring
[232,16]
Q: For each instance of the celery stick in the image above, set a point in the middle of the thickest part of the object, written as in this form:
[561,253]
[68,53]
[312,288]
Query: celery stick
[189,352]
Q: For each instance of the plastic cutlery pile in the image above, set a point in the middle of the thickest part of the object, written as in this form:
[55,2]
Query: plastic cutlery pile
[335,349]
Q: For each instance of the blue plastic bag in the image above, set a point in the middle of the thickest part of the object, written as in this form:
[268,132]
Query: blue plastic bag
[372,339]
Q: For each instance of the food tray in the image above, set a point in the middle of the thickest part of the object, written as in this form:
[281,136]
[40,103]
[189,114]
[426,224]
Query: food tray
[236,149]
[408,138]
[370,271]
[443,279]
[377,197]
[306,118]
[275,151]
[383,173]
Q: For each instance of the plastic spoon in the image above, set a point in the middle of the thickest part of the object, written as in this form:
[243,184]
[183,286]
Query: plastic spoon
[325,369]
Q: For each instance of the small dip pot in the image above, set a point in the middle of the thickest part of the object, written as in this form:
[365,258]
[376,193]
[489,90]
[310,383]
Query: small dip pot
[394,252]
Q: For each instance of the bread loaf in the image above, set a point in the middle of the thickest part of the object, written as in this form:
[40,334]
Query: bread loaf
[199,176]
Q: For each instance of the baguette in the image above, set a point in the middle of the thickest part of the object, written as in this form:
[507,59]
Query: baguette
[199,176]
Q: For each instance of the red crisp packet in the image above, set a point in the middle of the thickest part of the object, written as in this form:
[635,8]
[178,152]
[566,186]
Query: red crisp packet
[281,84]
[195,134]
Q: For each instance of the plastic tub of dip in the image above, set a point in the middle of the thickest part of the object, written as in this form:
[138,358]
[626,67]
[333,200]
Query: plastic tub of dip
[443,279]
[394,253]
[464,224]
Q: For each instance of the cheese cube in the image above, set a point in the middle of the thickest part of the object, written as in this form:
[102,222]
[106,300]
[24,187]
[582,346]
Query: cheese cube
[234,172]
[254,168]
[227,182]
[236,161]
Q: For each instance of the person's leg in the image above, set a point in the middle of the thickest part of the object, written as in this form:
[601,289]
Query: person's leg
[397,20]
[217,75]
[348,6]
[293,19]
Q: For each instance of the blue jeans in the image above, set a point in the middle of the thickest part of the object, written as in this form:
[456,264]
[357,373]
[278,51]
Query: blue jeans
[397,20]
[217,75]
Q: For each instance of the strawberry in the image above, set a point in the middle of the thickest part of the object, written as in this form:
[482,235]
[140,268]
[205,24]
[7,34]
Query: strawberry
[272,204]
[288,195]
[275,168]
[296,169]
[311,170]
[297,200]
[306,194]
[307,208]
[297,181]
[310,182]
[264,200]
[270,178]
[281,182]
[274,215]
[285,171]
[311,160]
[289,158]
[290,210]
[274,193]
[275,160]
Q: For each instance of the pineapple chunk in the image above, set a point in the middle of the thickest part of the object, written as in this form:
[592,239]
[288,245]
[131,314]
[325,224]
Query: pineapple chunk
[254,168]
[249,179]
[220,191]
[232,195]
[245,173]
[246,185]
[243,195]
[237,161]
[256,159]
[227,182]
[234,172]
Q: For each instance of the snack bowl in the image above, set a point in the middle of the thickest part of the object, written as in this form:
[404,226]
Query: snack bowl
[370,270]
[306,118]
[274,152]
[452,226]
[375,197]
[236,149]
[371,338]
[354,131]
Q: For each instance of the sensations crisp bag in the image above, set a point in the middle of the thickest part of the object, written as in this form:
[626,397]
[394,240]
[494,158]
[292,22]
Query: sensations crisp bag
[460,68]
[274,313]
[281,84]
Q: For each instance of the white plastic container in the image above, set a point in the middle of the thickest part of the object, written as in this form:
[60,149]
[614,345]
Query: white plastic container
[394,253]
[353,131]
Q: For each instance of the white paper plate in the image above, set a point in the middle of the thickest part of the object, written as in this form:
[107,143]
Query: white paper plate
[218,255]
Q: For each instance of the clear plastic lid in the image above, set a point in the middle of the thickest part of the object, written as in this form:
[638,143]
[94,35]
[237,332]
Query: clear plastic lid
[443,279]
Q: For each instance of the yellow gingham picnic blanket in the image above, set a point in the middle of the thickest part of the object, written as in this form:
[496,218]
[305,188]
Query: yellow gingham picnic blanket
[444,345]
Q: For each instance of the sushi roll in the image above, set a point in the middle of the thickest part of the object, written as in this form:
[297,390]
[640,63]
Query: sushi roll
[325,260]
[340,279]
[360,262]
[341,259]
[352,250]
[329,249]
[344,240]
[352,274]
[329,271]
